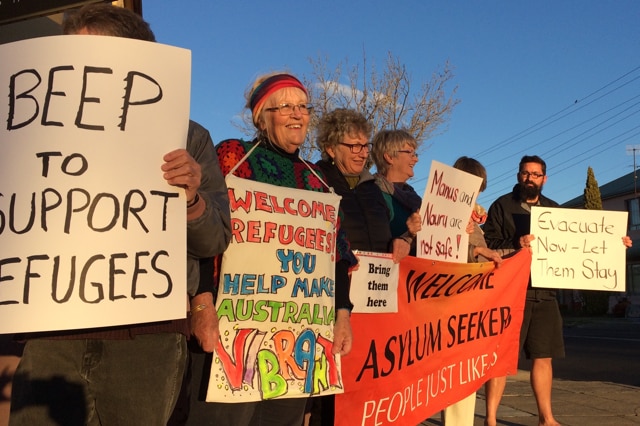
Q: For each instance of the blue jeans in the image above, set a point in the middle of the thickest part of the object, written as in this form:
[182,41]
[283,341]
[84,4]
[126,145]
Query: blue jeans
[98,382]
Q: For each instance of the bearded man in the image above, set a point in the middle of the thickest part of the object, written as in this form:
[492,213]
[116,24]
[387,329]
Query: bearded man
[508,229]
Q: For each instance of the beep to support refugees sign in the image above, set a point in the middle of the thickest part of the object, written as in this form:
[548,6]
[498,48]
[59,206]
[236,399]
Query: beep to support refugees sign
[448,200]
[578,249]
[91,234]
[276,296]
[457,325]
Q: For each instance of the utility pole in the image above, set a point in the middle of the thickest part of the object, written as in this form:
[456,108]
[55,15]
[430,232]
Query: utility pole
[631,149]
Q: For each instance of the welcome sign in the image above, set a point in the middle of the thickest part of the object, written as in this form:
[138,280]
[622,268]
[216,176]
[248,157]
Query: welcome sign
[457,325]
[276,296]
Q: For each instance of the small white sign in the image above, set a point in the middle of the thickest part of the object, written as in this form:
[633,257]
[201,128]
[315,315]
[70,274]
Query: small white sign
[374,285]
[449,198]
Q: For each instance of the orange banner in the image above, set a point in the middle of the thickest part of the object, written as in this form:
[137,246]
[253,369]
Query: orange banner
[457,326]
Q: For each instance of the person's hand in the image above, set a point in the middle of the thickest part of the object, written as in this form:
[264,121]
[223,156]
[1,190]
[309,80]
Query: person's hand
[204,321]
[525,241]
[342,335]
[487,253]
[414,223]
[356,266]
[627,241]
[401,249]
[470,226]
[180,169]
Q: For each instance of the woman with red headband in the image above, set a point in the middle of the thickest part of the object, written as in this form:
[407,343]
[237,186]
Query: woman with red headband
[280,110]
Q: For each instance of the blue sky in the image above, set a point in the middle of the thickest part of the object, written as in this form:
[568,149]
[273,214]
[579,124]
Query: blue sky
[560,79]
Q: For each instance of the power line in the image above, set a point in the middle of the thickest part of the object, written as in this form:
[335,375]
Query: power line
[547,121]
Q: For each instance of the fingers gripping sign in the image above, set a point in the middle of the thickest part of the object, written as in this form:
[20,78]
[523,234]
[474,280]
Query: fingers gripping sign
[180,169]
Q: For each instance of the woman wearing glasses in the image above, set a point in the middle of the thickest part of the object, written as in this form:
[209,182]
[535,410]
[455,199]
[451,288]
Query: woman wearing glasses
[395,156]
[280,111]
[343,139]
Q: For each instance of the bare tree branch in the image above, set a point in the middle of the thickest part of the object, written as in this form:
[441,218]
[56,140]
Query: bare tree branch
[387,101]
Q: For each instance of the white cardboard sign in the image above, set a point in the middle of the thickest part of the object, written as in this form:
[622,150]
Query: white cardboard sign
[578,249]
[91,234]
[374,285]
[448,200]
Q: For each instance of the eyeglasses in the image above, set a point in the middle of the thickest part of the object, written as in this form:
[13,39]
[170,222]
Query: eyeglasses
[413,154]
[288,109]
[357,148]
[534,175]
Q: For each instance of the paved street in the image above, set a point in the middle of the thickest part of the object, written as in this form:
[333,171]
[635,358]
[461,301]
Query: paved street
[598,384]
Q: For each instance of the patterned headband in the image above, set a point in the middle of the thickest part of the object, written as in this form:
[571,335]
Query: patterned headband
[270,85]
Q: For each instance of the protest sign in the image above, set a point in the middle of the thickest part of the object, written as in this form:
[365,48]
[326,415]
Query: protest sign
[457,325]
[448,200]
[276,295]
[91,234]
[374,284]
[578,249]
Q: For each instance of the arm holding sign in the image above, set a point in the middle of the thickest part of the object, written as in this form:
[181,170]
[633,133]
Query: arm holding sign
[414,224]
[342,334]
[488,254]
[402,245]
[208,224]
[208,217]
[180,169]
[478,250]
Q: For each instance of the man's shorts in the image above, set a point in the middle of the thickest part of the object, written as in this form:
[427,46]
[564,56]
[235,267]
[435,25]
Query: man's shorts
[541,332]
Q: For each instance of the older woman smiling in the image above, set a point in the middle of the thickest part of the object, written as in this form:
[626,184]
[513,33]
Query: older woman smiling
[394,153]
[281,111]
[343,138]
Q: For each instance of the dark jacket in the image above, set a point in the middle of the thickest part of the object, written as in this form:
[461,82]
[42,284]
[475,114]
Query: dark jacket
[508,219]
[366,215]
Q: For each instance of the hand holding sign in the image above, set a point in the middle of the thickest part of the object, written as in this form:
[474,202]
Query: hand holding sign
[180,169]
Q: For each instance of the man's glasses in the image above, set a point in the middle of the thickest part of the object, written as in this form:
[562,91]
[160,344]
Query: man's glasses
[411,153]
[534,175]
[357,148]
[288,109]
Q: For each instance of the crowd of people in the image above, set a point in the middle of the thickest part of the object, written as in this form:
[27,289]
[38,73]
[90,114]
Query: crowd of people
[145,374]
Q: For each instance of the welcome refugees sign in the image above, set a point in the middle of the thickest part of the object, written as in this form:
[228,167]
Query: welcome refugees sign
[91,234]
[276,295]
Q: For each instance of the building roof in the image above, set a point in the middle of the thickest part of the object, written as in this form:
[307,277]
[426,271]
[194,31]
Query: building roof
[623,185]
